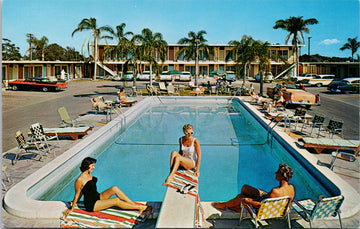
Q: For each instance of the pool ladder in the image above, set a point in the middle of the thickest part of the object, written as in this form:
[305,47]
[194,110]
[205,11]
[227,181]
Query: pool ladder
[270,130]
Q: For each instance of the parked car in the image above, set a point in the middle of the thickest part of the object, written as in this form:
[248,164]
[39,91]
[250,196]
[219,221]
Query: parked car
[302,77]
[230,76]
[43,84]
[127,76]
[319,80]
[345,85]
[267,77]
[164,76]
[297,97]
[185,76]
[145,75]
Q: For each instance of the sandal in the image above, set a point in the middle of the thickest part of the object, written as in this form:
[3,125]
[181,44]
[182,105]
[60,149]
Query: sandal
[148,211]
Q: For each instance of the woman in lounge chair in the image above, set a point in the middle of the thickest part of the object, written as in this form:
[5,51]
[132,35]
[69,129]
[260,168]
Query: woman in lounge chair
[252,196]
[85,185]
[189,155]
[100,105]
[121,98]
[259,98]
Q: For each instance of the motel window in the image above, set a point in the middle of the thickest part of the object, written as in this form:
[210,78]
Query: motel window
[26,74]
[283,53]
[221,67]
[229,55]
[181,56]
[203,71]
[57,71]
[230,68]
[38,71]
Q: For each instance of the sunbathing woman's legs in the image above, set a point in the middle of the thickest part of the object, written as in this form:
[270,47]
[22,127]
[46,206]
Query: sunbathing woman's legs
[177,160]
[121,201]
[247,191]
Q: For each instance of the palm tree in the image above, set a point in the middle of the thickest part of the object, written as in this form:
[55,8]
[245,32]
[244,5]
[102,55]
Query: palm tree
[121,49]
[295,26]
[243,52]
[151,44]
[261,50]
[195,42]
[353,45]
[40,46]
[90,24]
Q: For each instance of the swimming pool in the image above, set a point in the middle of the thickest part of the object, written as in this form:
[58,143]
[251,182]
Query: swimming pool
[234,149]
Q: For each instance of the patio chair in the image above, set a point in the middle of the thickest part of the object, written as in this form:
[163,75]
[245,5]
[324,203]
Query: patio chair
[66,120]
[317,122]
[27,147]
[345,153]
[38,134]
[334,127]
[171,90]
[270,208]
[299,116]
[310,210]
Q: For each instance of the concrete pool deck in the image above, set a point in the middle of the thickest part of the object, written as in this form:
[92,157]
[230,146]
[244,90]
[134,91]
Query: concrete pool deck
[24,169]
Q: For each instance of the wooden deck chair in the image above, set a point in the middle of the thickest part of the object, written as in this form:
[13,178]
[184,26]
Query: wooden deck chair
[319,144]
[310,210]
[65,118]
[27,147]
[270,208]
[162,88]
[345,153]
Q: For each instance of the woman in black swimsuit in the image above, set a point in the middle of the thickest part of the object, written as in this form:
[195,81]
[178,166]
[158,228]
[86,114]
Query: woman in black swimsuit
[94,201]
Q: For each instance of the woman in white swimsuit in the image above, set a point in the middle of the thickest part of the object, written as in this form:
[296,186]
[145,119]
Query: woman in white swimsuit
[189,155]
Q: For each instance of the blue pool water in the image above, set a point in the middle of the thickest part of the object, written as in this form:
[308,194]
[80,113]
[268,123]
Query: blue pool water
[234,152]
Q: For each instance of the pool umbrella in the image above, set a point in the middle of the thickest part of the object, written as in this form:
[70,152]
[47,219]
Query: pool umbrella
[218,72]
[173,72]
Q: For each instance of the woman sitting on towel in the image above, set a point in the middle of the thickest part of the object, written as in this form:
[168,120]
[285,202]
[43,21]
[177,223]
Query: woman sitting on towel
[189,155]
[252,196]
[85,185]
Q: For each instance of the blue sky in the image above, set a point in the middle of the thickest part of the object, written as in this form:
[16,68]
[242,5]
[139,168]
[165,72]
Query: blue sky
[223,20]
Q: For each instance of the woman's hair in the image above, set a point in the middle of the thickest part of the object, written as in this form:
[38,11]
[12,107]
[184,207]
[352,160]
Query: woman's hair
[285,171]
[85,164]
[187,126]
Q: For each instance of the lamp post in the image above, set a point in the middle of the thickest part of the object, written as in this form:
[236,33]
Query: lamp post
[197,41]
[309,45]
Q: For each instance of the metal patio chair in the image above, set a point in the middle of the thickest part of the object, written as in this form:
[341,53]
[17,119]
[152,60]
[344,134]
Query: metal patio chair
[270,208]
[310,210]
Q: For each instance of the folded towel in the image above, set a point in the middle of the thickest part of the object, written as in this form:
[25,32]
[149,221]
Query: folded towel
[108,218]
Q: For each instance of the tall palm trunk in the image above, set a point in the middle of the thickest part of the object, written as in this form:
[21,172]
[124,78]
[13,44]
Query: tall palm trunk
[150,73]
[95,58]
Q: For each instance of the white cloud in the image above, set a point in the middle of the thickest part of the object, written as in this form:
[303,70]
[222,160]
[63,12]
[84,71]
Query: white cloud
[330,41]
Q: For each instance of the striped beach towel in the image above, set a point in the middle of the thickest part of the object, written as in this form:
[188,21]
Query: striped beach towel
[108,218]
[187,178]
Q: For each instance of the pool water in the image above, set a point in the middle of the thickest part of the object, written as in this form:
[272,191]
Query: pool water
[234,152]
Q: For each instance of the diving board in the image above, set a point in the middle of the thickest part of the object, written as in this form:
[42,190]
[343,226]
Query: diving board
[181,210]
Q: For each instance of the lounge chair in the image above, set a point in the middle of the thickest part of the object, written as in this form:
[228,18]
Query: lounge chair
[28,147]
[65,118]
[348,154]
[270,208]
[316,122]
[171,90]
[334,127]
[319,144]
[37,134]
[310,210]
[73,132]
[299,116]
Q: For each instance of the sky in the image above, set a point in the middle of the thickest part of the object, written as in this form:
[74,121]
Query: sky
[223,20]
